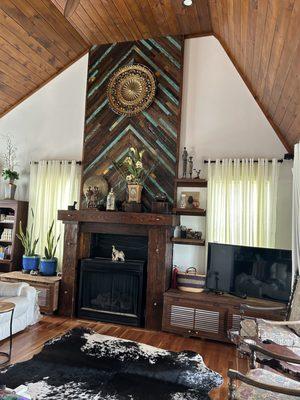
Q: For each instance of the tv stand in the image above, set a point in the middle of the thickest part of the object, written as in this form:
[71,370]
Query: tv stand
[208,316]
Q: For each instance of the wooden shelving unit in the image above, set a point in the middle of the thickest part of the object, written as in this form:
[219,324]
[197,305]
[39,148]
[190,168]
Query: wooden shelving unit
[193,242]
[19,211]
[190,211]
[197,212]
[188,182]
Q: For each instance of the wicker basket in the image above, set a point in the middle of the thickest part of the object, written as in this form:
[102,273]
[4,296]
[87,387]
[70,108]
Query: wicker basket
[190,281]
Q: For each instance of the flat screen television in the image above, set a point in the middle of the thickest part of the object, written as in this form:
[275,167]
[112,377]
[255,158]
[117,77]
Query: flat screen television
[249,271]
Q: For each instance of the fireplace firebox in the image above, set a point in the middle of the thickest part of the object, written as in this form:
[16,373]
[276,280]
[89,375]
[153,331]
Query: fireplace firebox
[112,291]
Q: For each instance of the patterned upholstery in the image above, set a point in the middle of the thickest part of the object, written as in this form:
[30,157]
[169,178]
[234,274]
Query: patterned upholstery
[295,308]
[278,334]
[247,392]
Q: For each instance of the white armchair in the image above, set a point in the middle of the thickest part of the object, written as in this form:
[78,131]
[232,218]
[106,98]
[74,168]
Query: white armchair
[26,311]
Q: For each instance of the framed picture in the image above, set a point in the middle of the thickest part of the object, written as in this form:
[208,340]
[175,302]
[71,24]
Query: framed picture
[192,199]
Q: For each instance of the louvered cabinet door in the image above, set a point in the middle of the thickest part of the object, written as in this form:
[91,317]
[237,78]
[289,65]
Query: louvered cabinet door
[210,322]
[178,319]
[182,317]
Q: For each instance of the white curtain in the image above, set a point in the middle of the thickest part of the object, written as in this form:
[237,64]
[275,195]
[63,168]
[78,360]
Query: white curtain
[242,201]
[53,186]
[296,211]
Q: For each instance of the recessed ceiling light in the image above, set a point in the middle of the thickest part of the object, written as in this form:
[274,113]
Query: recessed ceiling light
[187,2]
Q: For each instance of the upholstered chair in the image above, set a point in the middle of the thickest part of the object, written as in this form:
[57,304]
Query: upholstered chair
[280,336]
[264,384]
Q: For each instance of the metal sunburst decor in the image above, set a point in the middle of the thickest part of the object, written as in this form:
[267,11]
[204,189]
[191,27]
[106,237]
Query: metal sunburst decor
[131,89]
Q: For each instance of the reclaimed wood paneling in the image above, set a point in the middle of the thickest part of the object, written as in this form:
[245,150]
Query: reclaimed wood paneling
[102,21]
[108,136]
[262,38]
[36,43]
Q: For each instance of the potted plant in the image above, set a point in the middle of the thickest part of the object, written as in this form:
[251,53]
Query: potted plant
[9,174]
[48,265]
[135,174]
[31,260]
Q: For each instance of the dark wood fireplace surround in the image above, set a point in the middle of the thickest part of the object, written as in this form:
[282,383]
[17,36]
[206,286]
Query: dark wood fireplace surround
[79,225]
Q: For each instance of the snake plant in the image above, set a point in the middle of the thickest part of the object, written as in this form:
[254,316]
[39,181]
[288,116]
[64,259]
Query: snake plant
[27,240]
[51,244]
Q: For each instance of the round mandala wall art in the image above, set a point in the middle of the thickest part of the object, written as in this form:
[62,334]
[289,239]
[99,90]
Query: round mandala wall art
[131,89]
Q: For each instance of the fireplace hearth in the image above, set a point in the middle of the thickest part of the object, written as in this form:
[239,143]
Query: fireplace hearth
[112,291]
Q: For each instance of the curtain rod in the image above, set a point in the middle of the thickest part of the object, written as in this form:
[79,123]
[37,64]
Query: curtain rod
[69,162]
[256,161]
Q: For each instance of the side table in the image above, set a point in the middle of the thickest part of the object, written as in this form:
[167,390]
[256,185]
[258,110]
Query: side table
[5,308]
[46,286]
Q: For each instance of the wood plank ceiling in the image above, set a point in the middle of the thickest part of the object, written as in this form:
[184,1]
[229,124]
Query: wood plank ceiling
[36,42]
[107,21]
[261,37]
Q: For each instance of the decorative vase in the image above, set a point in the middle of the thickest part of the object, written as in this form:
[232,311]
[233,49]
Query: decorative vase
[134,193]
[30,263]
[48,267]
[10,190]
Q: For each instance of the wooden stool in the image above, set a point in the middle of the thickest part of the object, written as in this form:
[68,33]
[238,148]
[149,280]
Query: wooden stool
[5,308]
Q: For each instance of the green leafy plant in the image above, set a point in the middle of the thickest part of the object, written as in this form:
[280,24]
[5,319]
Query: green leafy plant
[8,158]
[10,175]
[27,240]
[51,244]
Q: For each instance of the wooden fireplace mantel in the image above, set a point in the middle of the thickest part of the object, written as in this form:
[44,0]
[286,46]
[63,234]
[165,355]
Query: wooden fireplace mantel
[115,217]
[79,226]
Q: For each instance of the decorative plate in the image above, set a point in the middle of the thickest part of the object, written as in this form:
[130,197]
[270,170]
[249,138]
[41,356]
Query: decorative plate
[131,89]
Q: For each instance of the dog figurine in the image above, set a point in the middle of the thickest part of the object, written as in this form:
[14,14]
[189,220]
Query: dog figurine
[117,255]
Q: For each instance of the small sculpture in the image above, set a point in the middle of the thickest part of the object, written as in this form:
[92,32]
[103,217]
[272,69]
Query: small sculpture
[34,272]
[190,202]
[111,201]
[191,164]
[73,207]
[198,172]
[117,255]
[184,162]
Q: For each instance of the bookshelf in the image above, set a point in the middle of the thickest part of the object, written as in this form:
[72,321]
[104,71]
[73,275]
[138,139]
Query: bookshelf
[11,213]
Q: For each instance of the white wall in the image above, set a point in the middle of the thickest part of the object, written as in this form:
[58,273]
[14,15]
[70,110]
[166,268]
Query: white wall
[220,118]
[49,124]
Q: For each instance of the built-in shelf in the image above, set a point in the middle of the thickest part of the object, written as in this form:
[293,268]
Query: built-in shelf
[7,224]
[193,242]
[5,241]
[188,182]
[190,211]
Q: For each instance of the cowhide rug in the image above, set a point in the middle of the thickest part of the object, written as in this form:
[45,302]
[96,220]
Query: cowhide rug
[85,365]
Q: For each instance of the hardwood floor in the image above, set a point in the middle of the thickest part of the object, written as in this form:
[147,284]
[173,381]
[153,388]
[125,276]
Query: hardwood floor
[217,356]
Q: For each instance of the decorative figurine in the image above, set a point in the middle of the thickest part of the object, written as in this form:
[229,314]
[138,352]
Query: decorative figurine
[111,201]
[73,207]
[183,200]
[177,231]
[184,162]
[117,255]
[191,164]
[190,202]
[198,172]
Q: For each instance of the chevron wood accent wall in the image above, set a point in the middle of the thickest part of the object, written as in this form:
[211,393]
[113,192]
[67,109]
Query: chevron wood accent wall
[108,136]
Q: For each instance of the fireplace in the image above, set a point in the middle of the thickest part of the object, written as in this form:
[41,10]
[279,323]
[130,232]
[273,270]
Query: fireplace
[150,242]
[112,291]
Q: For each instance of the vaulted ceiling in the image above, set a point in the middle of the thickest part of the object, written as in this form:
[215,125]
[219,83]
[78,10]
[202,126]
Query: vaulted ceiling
[262,38]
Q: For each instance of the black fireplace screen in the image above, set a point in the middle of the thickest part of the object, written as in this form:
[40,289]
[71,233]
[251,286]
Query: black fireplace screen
[112,291]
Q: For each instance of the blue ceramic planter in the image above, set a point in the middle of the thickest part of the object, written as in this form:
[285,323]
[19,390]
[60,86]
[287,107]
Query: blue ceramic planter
[31,263]
[48,267]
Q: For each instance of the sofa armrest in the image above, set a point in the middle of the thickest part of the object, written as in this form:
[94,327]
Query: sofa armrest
[29,292]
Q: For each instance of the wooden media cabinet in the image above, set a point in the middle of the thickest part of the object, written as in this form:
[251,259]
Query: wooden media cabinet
[208,315]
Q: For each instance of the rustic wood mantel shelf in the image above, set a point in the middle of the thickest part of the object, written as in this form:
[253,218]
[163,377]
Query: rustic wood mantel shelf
[115,217]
